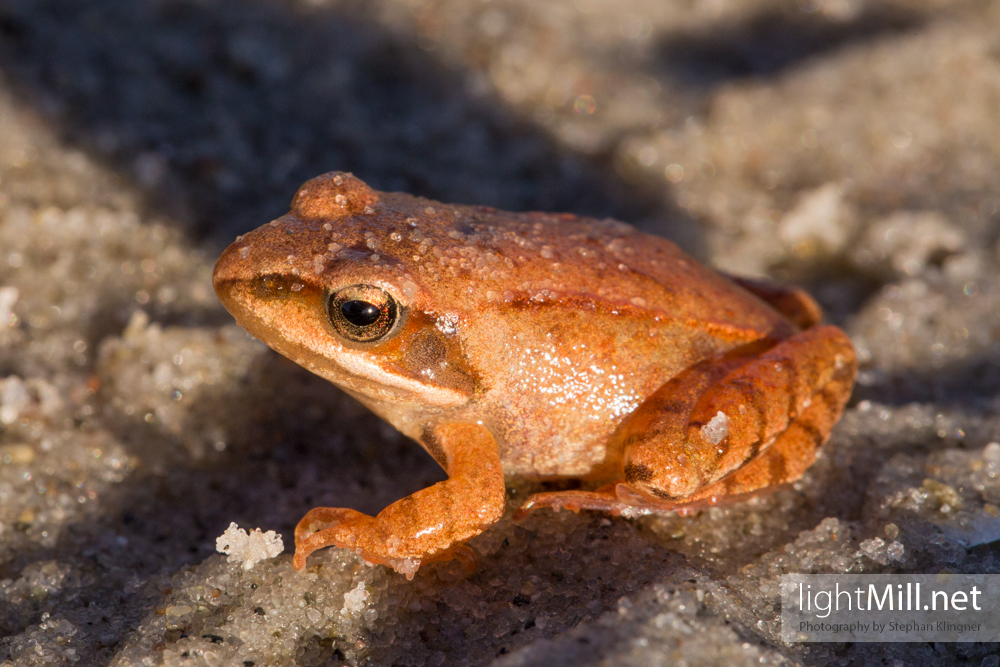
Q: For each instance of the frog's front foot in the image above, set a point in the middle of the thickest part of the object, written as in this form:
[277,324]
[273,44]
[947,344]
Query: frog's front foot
[429,525]
[358,532]
[329,526]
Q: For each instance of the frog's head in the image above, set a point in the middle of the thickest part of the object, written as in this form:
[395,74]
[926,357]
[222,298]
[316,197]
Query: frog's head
[313,286]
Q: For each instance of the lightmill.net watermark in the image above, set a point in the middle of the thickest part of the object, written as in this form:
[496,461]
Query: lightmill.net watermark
[890,607]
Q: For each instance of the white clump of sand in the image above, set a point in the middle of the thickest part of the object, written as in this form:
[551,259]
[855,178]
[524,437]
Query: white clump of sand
[249,548]
[355,600]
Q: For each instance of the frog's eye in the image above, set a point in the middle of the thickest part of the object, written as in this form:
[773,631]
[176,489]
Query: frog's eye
[362,313]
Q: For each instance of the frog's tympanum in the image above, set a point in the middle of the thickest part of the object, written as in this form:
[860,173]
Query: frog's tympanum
[533,344]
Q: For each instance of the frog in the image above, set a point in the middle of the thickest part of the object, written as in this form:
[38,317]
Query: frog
[534,345]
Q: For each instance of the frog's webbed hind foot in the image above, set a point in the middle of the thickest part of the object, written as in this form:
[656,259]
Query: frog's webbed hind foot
[617,498]
[602,499]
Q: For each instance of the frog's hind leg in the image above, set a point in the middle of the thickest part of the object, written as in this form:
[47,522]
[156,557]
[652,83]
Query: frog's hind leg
[727,427]
[785,461]
[758,427]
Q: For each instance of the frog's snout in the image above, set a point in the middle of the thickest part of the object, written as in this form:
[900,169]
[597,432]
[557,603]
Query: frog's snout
[228,270]
[234,271]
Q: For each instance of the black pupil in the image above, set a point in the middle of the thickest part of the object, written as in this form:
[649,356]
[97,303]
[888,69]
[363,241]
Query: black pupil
[360,313]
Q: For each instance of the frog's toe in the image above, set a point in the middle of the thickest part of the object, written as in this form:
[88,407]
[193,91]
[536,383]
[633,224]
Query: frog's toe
[325,527]
[305,547]
[320,518]
[617,498]
[602,499]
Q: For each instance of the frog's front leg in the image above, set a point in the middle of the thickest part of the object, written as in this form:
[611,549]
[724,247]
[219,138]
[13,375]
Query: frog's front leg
[430,524]
[727,427]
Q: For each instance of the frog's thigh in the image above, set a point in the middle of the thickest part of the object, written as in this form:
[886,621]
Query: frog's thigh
[785,400]
[428,525]
[791,301]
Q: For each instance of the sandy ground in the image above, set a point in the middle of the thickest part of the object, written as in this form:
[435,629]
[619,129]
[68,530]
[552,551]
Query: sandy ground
[851,146]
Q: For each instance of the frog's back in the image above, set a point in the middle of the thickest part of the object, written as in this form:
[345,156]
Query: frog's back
[613,265]
[476,253]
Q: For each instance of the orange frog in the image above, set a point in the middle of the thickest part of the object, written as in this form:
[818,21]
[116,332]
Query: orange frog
[547,346]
